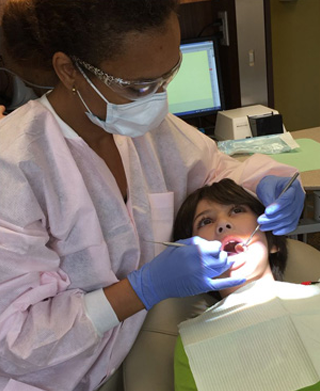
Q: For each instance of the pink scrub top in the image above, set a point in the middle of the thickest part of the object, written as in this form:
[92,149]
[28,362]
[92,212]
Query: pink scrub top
[66,232]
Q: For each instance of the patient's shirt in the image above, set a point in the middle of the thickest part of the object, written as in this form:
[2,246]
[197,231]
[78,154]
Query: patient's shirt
[264,337]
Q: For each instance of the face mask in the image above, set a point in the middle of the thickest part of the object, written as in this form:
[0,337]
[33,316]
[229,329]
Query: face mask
[132,119]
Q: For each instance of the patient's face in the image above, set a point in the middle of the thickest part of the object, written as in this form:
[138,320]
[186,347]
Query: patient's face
[232,224]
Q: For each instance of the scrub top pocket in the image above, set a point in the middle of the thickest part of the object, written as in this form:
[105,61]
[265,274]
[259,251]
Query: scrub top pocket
[162,215]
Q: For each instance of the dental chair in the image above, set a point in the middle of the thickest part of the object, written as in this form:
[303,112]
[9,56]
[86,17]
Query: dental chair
[149,365]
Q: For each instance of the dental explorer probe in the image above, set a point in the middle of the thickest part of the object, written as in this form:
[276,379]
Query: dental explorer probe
[168,244]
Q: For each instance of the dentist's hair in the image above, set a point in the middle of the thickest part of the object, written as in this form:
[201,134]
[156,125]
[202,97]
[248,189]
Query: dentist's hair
[227,192]
[93,30]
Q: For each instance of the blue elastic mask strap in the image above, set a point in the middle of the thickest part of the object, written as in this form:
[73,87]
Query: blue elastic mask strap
[83,102]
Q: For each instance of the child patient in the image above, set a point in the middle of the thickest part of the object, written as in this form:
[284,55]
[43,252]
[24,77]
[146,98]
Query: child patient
[226,212]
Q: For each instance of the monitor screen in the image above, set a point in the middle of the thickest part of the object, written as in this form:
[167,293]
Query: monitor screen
[197,89]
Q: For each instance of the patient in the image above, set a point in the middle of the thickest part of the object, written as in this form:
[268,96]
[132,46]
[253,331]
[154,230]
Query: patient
[226,212]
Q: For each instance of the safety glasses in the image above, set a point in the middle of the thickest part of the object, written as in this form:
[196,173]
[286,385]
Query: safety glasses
[131,89]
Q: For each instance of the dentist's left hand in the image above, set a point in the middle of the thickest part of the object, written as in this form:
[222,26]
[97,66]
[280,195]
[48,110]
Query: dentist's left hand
[183,271]
[282,213]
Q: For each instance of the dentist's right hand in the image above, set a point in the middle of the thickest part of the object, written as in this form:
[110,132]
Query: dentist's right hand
[183,271]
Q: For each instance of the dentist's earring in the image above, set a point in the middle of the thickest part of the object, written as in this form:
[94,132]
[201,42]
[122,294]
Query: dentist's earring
[274,249]
[74,91]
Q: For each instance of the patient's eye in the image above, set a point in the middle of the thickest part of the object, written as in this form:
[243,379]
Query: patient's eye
[204,221]
[239,209]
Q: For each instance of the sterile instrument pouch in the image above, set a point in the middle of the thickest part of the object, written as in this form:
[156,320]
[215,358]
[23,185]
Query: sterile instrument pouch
[267,145]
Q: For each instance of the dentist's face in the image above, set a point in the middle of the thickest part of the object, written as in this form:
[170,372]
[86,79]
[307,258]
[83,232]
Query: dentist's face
[232,224]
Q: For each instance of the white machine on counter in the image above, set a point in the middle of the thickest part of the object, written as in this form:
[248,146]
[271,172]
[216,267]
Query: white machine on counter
[234,124]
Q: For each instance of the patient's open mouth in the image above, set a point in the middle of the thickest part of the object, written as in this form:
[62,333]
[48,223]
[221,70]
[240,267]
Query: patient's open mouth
[231,247]
[234,246]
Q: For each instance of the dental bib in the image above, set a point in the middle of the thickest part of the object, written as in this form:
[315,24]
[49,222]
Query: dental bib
[264,337]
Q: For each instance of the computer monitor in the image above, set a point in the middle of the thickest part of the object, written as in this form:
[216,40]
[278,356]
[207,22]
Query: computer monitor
[197,88]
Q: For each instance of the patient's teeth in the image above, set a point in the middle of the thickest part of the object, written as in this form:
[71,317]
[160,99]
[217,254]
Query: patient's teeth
[240,248]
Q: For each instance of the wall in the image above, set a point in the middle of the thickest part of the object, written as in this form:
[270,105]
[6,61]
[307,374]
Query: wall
[252,52]
[295,28]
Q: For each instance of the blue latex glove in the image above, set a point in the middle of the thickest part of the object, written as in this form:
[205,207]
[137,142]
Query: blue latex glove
[183,271]
[282,215]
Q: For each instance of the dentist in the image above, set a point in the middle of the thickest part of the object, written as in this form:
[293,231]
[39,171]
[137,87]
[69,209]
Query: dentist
[90,173]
